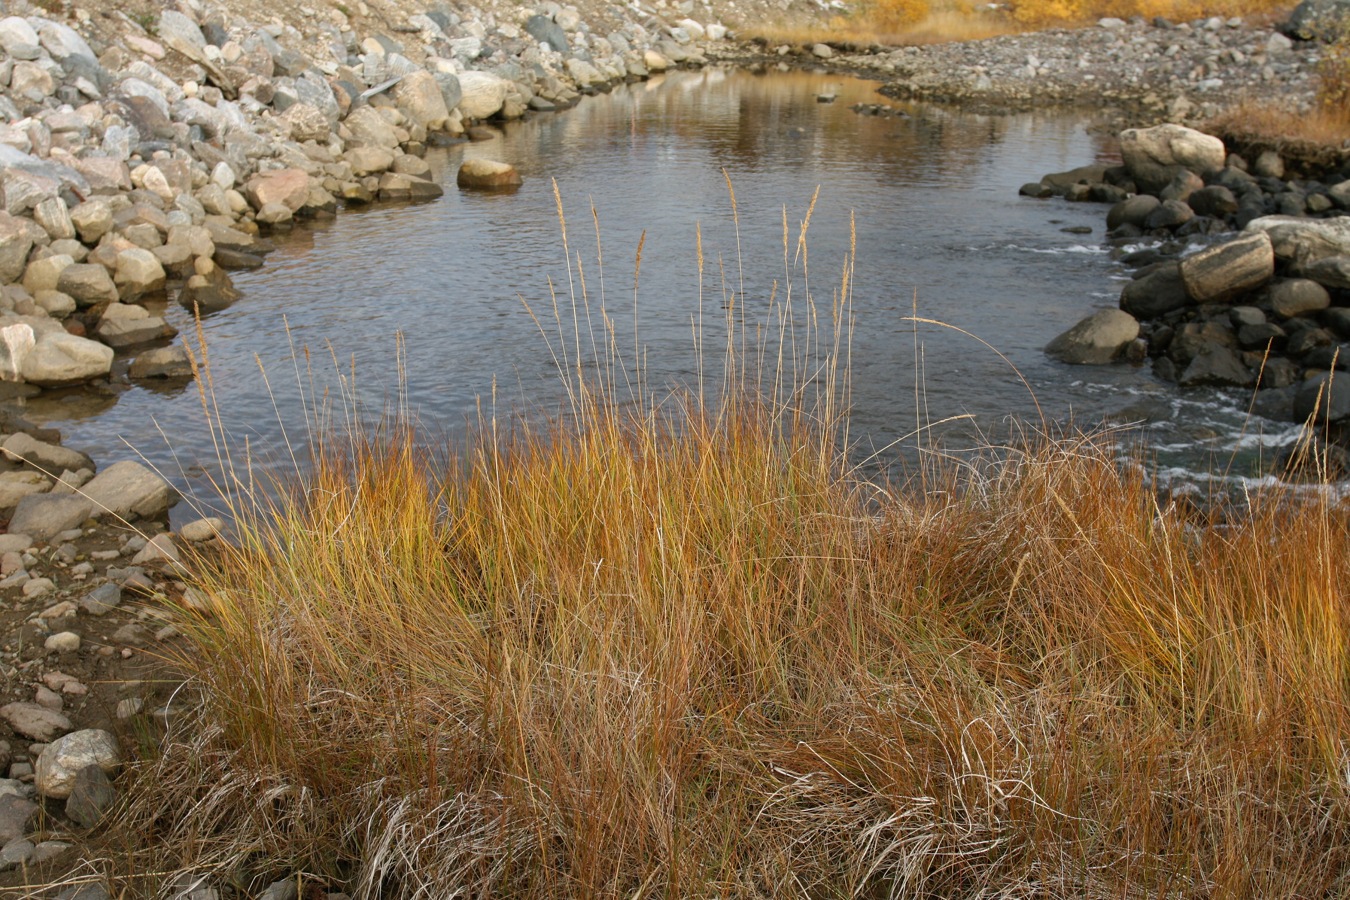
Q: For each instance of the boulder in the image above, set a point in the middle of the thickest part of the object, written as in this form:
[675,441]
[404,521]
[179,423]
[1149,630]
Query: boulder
[92,219]
[162,362]
[1169,214]
[487,174]
[15,243]
[14,486]
[369,160]
[1152,155]
[35,722]
[139,272]
[44,516]
[18,38]
[307,123]
[54,217]
[1215,201]
[1132,211]
[1332,272]
[63,759]
[1298,297]
[1100,338]
[482,94]
[419,98]
[208,292]
[63,359]
[370,129]
[288,187]
[16,341]
[126,325]
[176,30]
[1301,241]
[1228,270]
[45,274]
[88,283]
[394,186]
[129,490]
[1324,20]
[1327,396]
[1217,366]
[546,31]
[1156,293]
[45,457]
[18,815]
[92,797]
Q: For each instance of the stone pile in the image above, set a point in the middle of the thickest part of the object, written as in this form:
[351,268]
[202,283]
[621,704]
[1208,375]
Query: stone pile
[1242,275]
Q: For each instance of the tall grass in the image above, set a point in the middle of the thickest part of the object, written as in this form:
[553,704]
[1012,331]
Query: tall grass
[673,643]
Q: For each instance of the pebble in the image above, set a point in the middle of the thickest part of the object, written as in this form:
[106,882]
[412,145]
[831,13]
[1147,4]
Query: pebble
[62,642]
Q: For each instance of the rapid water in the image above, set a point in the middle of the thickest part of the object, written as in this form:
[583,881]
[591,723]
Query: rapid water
[429,305]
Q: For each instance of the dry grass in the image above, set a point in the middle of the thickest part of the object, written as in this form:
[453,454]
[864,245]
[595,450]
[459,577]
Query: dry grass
[1317,136]
[681,647]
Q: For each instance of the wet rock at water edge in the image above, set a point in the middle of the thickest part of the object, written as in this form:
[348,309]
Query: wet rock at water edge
[129,490]
[487,175]
[1156,293]
[1100,338]
[1229,269]
[162,362]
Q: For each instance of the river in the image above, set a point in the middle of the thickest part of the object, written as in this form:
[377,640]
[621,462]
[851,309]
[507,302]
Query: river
[429,305]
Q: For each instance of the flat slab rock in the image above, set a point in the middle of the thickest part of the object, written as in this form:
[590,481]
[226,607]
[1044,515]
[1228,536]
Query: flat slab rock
[35,722]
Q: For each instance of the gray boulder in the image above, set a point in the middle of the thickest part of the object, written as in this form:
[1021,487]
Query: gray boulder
[1333,272]
[1100,338]
[60,359]
[1215,365]
[547,31]
[92,797]
[88,283]
[125,325]
[162,362]
[1152,155]
[43,456]
[419,97]
[1230,269]
[1298,297]
[130,490]
[1325,20]
[1156,293]
[18,38]
[1132,211]
[1327,395]
[44,516]
[1301,241]
[18,815]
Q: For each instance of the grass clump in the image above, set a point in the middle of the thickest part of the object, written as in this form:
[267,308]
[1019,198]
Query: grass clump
[683,647]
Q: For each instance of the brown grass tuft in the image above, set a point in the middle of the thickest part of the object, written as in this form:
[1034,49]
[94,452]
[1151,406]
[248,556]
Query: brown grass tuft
[680,647]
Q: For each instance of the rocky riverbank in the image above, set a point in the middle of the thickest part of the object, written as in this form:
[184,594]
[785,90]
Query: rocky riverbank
[1241,273]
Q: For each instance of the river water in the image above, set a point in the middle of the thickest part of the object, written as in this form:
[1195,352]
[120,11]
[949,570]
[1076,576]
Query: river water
[429,305]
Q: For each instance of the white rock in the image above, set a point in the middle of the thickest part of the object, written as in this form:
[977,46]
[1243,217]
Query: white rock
[62,761]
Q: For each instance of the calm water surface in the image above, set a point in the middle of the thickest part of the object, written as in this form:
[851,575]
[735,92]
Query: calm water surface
[931,199]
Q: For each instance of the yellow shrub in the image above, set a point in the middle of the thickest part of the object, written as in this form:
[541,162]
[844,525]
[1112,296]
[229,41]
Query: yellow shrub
[1334,72]
[896,13]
